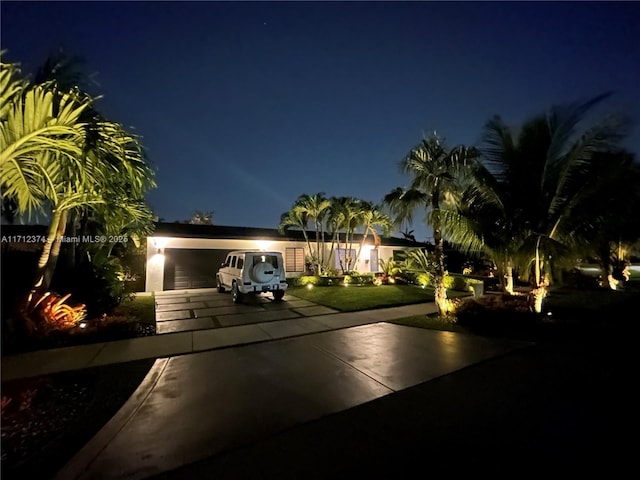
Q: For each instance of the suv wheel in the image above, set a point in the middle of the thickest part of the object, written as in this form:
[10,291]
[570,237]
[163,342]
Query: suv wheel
[220,286]
[236,294]
[278,294]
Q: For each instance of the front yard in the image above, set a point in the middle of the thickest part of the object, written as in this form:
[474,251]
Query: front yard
[366,297]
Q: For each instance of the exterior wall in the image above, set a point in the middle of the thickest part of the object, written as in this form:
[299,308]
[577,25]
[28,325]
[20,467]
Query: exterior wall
[156,260]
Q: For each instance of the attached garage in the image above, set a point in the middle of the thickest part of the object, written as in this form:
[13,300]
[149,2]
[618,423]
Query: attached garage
[191,268]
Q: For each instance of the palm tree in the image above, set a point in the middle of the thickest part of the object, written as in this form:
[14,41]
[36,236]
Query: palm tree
[295,218]
[344,216]
[435,173]
[126,177]
[316,208]
[41,138]
[40,131]
[528,188]
[59,156]
[408,235]
[372,216]
[606,223]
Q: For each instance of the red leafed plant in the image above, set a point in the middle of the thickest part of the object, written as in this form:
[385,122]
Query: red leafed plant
[48,312]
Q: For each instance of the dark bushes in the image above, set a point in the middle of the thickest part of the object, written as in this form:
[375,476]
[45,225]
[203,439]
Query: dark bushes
[496,314]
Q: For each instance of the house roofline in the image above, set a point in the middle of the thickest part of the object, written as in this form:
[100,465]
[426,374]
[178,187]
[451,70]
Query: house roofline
[186,230]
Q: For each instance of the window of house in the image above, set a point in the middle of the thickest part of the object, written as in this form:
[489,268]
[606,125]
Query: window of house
[294,260]
[399,255]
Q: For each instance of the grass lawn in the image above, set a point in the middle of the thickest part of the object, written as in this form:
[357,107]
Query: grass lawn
[140,307]
[366,297]
[571,312]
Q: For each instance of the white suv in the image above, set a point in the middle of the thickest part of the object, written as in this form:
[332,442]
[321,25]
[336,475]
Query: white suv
[252,272]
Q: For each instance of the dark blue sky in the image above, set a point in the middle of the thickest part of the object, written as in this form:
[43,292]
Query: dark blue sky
[243,106]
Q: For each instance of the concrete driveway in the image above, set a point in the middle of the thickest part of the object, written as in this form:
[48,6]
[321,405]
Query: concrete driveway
[195,406]
[204,309]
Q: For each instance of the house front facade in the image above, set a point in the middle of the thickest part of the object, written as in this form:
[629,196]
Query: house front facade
[184,256]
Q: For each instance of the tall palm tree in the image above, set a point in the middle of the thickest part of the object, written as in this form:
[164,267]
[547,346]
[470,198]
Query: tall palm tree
[344,216]
[60,154]
[436,172]
[125,177]
[316,208]
[41,138]
[529,187]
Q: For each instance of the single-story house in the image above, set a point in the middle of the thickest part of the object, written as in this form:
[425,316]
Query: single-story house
[181,256]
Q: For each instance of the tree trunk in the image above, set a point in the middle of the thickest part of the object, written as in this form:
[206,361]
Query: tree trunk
[440,290]
[604,252]
[318,260]
[364,239]
[39,280]
[55,251]
[508,285]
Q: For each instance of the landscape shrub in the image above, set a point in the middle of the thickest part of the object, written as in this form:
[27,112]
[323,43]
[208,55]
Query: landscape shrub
[490,314]
[328,281]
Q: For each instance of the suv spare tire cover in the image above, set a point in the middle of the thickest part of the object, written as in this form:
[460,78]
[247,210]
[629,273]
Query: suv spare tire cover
[262,272]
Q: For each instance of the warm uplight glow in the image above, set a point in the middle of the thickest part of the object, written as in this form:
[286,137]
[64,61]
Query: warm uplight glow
[82,324]
[263,244]
[309,286]
[156,260]
[53,310]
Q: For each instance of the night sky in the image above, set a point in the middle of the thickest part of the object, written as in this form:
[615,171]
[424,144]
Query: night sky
[243,106]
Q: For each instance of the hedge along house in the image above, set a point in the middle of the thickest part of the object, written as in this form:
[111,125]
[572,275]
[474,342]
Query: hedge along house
[184,256]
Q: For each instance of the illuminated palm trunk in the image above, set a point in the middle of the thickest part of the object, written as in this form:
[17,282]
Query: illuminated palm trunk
[505,274]
[440,290]
[55,251]
[539,293]
[537,298]
[508,278]
[39,284]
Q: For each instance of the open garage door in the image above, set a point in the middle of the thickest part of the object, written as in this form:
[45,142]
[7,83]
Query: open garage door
[191,268]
